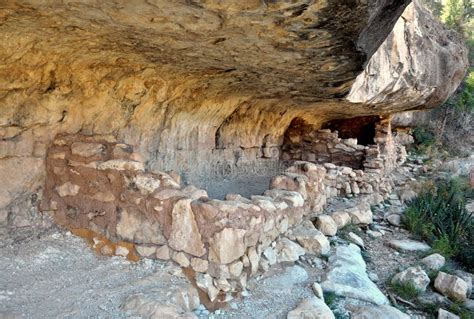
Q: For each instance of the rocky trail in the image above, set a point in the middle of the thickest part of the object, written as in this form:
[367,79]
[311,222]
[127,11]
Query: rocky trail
[58,276]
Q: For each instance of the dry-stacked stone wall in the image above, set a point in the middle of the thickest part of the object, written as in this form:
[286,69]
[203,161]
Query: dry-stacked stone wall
[99,184]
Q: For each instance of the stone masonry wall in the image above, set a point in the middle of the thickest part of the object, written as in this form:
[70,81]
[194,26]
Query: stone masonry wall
[99,184]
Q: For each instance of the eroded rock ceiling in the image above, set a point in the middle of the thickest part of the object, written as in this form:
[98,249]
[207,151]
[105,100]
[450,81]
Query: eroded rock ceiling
[188,81]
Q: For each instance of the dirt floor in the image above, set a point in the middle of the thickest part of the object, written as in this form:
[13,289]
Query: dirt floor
[59,276]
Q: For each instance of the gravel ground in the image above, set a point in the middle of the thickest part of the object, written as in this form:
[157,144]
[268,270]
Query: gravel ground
[59,276]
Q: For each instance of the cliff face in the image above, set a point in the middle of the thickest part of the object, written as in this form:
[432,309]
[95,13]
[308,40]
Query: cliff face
[205,88]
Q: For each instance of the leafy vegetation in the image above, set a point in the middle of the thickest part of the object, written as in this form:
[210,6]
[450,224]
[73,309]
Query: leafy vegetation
[439,216]
[406,290]
[330,298]
[460,310]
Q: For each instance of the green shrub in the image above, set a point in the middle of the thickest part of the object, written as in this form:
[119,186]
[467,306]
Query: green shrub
[406,290]
[444,247]
[460,310]
[330,298]
[424,138]
[438,215]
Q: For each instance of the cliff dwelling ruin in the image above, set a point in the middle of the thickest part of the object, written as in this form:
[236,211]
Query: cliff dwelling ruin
[204,131]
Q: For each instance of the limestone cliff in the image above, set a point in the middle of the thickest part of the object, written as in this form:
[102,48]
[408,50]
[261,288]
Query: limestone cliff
[206,88]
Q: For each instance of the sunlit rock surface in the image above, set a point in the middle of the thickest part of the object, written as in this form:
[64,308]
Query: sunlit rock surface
[205,88]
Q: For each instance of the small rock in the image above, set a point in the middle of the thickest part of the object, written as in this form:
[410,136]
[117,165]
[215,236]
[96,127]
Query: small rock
[181,259]
[311,308]
[146,251]
[288,250]
[361,214]
[467,277]
[235,269]
[67,189]
[310,238]
[317,290]
[341,219]
[405,245]
[270,255]
[121,251]
[434,299]
[163,253]
[433,262]
[326,225]
[87,149]
[227,245]
[374,234]
[373,276]
[205,282]
[106,250]
[451,286]
[394,219]
[415,276]
[356,239]
[199,265]
[443,314]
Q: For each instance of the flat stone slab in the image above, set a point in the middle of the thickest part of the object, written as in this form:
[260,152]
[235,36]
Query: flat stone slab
[408,245]
[386,312]
[347,277]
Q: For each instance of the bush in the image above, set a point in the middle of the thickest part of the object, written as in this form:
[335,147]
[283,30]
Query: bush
[439,216]
[406,290]
[424,138]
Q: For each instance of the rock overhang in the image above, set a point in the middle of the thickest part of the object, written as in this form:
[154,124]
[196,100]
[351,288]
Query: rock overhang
[309,50]
[199,85]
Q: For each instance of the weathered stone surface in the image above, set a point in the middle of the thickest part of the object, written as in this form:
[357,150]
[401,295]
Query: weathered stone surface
[414,276]
[381,311]
[199,265]
[341,219]
[326,225]
[311,308]
[400,66]
[181,259]
[433,262]
[87,149]
[205,282]
[299,60]
[356,239]
[163,252]
[360,215]
[120,165]
[288,250]
[185,234]
[317,290]
[227,245]
[394,219]
[67,189]
[136,228]
[451,286]
[347,276]
[408,245]
[146,251]
[146,184]
[444,314]
[312,240]
[181,299]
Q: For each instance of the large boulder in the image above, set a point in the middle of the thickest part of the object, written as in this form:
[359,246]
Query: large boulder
[401,74]
[414,276]
[347,277]
[451,286]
